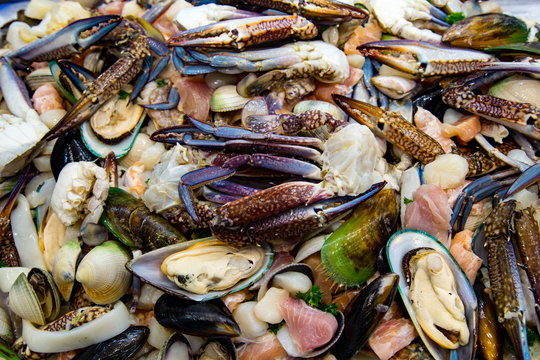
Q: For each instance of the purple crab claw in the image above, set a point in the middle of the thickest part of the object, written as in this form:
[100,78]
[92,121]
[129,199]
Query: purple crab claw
[239,33]
[529,177]
[172,101]
[427,59]
[211,174]
[75,37]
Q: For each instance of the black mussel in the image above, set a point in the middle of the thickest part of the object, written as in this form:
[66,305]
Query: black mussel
[431,100]
[209,318]
[69,148]
[121,347]
[364,313]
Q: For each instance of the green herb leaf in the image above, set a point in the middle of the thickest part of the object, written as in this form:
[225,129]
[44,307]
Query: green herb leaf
[2,264]
[313,298]
[361,6]
[162,82]
[123,94]
[407,200]
[455,17]
[274,328]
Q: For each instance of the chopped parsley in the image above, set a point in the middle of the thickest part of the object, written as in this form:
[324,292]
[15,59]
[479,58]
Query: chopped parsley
[361,6]
[161,83]
[455,17]
[2,264]
[274,328]
[313,297]
[407,200]
[532,336]
[123,94]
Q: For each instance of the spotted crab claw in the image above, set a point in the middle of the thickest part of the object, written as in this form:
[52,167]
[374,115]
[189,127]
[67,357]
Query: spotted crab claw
[462,94]
[425,59]
[529,177]
[240,33]
[72,39]
[397,130]
[327,11]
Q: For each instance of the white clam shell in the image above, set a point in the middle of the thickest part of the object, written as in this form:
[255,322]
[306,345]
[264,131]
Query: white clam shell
[103,274]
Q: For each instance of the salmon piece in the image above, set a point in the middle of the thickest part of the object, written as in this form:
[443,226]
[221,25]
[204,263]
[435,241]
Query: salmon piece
[431,125]
[429,212]
[46,98]
[465,128]
[309,328]
[112,8]
[232,301]
[324,91]
[392,336]
[461,250]
[371,31]
[266,347]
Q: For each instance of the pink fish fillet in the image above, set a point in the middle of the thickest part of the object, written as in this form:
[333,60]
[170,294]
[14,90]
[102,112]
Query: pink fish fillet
[392,336]
[310,328]
[429,212]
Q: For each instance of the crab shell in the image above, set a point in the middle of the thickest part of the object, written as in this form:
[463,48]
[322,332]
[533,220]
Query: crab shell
[148,268]
[398,248]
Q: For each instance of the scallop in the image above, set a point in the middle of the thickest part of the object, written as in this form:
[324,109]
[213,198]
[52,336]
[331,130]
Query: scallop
[103,274]
[148,267]
[412,254]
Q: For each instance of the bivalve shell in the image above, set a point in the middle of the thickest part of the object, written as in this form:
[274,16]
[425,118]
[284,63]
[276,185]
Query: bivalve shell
[398,251]
[6,330]
[226,98]
[147,268]
[63,268]
[103,274]
[34,297]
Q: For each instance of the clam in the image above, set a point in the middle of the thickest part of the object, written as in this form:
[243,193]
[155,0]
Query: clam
[34,297]
[226,98]
[206,318]
[201,269]
[103,274]
[218,349]
[6,330]
[436,294]
[176,347]
[63,268]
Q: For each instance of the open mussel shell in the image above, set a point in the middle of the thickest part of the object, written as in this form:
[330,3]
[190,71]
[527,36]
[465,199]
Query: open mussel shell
[218,348]
[204,318]
[398,249]
[148,268]
[68,148]
[120,347]
[34,297]
[175,347]
[363,314]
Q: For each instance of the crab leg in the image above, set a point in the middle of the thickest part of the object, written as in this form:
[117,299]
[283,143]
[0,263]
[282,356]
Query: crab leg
[427,59]
[240,33]
[529,177]
[322,10]
[397,130]
[504,276]
[72,39]
[522,117]
[108,83]
[288,225]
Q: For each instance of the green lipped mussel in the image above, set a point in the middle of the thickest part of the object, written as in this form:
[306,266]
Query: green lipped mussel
[350,253]
[134,224]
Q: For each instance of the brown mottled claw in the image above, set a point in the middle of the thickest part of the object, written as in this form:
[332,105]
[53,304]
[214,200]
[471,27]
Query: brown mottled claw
[239,33]
[328,11]
[397,130]
[111,167]
[522,117]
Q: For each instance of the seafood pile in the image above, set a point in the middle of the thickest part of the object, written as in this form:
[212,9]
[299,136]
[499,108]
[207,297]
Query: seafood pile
[260,179]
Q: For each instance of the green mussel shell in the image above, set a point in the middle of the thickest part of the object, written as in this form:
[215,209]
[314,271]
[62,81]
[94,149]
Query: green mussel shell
[349,254]
[486,30]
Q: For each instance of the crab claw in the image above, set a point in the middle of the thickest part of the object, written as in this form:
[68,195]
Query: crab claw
[427,59]
[397,130]
[239,33]
[526,179]
[72,39]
